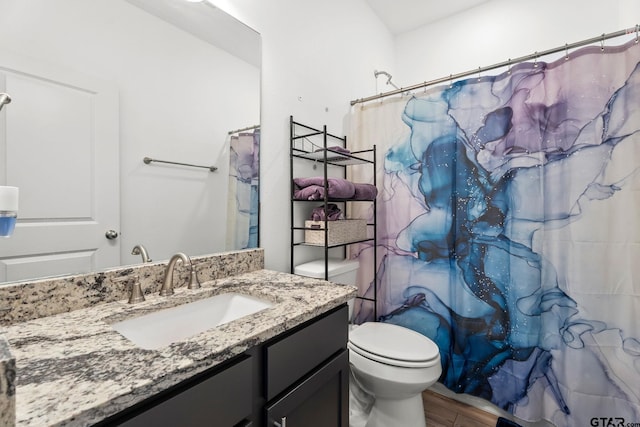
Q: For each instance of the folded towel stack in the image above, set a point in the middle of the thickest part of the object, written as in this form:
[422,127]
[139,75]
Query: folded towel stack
[313,188]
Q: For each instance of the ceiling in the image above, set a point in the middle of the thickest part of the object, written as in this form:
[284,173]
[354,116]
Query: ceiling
[405,15]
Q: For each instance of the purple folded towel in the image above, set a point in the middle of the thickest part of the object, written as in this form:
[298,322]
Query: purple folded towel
[312,188]
[365,192]
[333,213]
[312,192]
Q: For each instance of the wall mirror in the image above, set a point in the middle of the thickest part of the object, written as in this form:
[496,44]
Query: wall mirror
[98,86]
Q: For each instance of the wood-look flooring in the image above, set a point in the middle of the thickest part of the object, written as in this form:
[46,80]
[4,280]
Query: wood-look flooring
[441,411]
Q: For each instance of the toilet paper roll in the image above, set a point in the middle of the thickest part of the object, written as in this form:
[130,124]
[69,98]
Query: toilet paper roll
[8,198]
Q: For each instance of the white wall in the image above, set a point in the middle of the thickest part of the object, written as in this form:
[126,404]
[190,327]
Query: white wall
[317,55]
[498,30]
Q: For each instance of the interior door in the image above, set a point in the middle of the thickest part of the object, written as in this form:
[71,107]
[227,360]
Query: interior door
[58,144]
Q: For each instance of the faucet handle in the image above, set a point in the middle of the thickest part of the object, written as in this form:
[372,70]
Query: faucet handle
[194,282]
[136,291]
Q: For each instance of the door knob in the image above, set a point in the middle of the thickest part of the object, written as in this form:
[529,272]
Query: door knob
[111,234]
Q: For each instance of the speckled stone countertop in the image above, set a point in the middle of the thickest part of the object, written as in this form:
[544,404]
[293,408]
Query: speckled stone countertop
[73,369]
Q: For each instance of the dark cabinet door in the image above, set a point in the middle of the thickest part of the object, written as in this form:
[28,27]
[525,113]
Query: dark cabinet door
[320,400]
[222,400]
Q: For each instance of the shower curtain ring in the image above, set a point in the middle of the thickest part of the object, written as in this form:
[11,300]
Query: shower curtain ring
[535,60]
[479,75]
[602,43]
[450,81]
[509,67]
[637,29]
[566,51]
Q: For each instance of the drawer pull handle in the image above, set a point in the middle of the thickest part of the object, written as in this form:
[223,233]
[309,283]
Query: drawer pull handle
[282,423]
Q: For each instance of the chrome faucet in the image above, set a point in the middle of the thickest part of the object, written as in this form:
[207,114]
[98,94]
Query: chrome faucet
[4,99]
[167,285]
[140,250]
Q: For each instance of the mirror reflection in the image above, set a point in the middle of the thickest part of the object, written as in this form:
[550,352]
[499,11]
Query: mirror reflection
[98,86]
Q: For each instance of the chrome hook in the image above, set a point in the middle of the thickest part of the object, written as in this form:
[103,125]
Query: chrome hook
[509,67]
[450,81]
[566,51]
[637,29]
[535,61]
[479,75]
[602,43]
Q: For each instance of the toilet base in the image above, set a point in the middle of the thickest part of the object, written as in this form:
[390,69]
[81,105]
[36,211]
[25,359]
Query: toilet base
[398,413]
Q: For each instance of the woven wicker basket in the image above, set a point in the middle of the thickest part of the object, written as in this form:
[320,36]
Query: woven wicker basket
[340,231]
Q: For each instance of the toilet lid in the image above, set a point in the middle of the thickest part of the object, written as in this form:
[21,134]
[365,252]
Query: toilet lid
[393,344]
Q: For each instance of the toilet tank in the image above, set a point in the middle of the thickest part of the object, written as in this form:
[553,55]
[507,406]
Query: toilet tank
[341,271]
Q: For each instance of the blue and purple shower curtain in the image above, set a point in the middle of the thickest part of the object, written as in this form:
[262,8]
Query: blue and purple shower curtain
[509,232]
[243,197]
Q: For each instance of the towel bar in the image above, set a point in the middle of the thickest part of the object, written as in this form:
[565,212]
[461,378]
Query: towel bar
[148,160]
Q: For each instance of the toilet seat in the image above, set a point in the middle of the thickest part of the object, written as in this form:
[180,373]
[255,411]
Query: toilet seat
[393,345]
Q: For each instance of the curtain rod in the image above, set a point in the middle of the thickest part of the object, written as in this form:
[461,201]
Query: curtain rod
[243,129]
[507,63]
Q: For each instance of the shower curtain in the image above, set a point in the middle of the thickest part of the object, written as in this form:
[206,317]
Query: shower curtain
[244,191]
[509,232]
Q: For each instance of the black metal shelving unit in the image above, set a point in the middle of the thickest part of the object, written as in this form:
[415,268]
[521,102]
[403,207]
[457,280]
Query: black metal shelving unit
[302,147]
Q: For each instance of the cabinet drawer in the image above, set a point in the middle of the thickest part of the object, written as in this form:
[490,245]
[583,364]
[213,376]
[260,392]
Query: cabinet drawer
[224,399]
[290,358]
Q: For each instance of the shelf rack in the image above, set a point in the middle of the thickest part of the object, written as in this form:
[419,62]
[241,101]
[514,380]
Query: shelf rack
[324,154]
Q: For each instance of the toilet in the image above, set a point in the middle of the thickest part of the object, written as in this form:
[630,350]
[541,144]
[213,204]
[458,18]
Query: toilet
[392,364]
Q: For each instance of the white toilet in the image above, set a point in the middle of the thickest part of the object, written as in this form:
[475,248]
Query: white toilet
[389,362]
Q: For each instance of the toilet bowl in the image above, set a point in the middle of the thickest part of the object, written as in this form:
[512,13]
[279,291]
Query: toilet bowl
[391,364]
[394,365]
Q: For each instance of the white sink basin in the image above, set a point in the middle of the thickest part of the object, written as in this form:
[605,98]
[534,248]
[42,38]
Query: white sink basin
[161,328]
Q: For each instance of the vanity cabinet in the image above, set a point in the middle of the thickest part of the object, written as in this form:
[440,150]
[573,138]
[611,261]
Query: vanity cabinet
[299,378]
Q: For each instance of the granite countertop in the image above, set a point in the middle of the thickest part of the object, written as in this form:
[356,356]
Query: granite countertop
[73,369]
